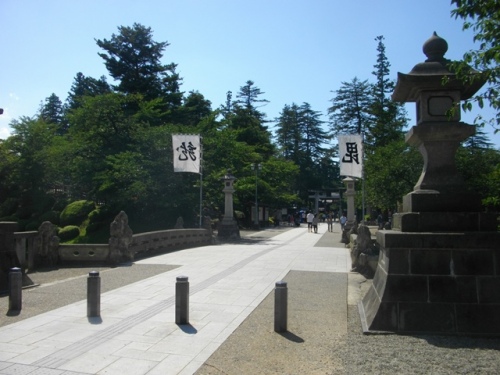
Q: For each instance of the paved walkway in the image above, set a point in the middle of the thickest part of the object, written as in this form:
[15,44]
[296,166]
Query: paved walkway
[136,333]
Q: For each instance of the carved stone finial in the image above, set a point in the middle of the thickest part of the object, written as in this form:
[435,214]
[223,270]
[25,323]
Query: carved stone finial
[434,48]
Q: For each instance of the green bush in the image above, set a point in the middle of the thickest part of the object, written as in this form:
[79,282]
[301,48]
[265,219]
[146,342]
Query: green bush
[69,232]
[76,212]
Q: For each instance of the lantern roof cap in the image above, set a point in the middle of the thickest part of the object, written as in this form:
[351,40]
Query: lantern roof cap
[429,75]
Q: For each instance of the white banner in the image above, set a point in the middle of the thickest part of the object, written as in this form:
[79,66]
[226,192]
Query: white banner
[351,155]
[187,152]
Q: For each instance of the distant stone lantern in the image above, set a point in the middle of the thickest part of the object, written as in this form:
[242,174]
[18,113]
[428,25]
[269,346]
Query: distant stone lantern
[228,227]
[438,265]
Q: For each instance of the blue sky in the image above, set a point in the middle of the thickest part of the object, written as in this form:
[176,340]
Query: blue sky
[295,51]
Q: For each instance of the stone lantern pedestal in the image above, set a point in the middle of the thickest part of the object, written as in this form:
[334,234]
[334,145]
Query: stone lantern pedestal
[228,227]
[350,193]
[439,268]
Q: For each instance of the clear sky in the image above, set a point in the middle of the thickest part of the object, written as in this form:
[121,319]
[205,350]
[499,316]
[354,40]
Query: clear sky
[295,51]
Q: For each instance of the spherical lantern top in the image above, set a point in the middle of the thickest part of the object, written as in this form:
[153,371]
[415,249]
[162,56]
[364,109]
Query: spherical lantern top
[434,48]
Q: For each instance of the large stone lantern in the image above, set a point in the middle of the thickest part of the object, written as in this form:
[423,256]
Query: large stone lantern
[439,268]
[437,135]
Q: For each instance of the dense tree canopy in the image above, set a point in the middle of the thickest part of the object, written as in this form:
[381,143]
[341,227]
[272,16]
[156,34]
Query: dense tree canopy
[112,145]
[483,18]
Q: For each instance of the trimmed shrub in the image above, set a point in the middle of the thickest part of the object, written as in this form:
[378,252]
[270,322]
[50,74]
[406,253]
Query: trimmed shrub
[76,212]
[69,232]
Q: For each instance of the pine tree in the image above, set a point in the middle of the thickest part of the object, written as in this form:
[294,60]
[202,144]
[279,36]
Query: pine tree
[85,86]
[134,59]
[248,121]
[349,113]
[288,135]
[314,137]
[52,111]
[387,118]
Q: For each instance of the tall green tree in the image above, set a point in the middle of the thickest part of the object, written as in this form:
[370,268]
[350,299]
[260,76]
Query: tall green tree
[300,138]
[85,86]
[133,58]
[387,117]
[349,112]
[249,98]
[194,108]
[248,121]
[314,137]
[483,18]
[479,166]
[52,112]
[102,127]
[35,169]
[288,134]
[391,172]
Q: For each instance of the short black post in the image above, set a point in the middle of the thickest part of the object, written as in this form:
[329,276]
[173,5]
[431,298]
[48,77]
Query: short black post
[93,295]
[280,306]
[15,289]
[182,300]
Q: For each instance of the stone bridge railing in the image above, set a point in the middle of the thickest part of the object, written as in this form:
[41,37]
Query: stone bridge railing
[29,250]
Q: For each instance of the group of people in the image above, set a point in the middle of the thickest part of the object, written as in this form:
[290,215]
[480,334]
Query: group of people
[313,220]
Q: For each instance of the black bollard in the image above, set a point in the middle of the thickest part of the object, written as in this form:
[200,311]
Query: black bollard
[93,295]
[182,300]
[15,289]
[280,307]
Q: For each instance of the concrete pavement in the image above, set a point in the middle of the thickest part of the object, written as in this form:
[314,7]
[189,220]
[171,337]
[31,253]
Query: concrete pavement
[136,333]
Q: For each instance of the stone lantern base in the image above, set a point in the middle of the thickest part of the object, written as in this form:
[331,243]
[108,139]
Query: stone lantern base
[228,229]
[445,283]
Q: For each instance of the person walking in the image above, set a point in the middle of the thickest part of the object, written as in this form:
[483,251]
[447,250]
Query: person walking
[315,221]
[310,217]
[343,220]
[329,221]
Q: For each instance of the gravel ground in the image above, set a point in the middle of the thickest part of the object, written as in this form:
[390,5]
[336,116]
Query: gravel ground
[426,354]
[316,337]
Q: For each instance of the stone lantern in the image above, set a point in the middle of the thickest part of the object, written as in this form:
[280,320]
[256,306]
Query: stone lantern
[228,228]
[437,135]
[439,268]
